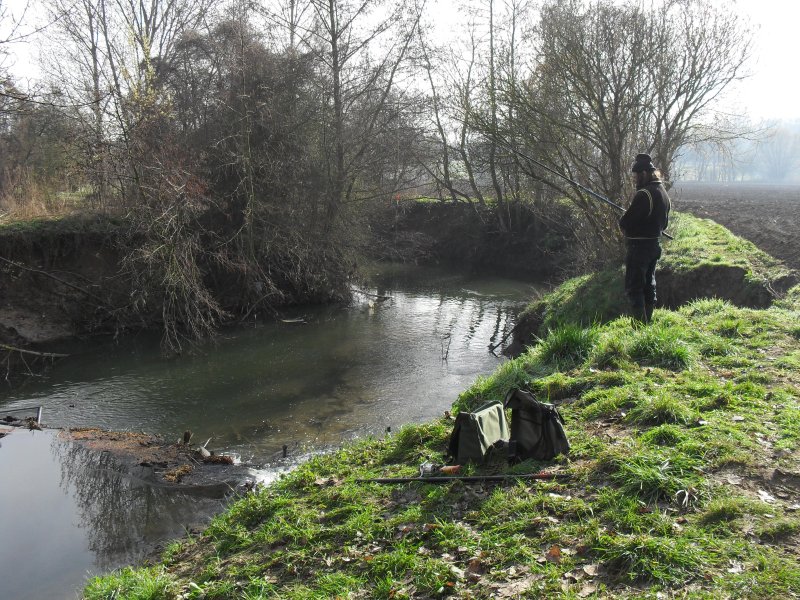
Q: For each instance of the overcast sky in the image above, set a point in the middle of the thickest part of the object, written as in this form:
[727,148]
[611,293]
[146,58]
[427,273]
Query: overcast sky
[773,91]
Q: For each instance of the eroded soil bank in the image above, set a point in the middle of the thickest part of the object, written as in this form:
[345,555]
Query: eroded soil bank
[535,246]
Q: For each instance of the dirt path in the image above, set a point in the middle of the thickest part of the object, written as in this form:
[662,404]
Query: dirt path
[766,214]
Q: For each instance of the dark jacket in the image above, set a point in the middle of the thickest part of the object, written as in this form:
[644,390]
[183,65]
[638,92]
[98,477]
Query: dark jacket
[648,213]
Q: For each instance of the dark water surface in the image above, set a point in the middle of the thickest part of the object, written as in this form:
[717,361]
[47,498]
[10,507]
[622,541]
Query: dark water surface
[346,372]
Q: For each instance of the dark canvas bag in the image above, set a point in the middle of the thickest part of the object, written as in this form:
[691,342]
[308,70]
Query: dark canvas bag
[475,433]
[537,429]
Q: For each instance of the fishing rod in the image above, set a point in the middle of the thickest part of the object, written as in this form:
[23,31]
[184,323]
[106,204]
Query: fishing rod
[467,478]
[583,188]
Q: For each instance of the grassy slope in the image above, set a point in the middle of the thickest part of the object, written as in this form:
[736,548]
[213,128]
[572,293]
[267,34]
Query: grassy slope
[699,244]
[677,429]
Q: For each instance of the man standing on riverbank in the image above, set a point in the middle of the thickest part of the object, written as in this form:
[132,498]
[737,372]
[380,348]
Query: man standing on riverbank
[643,224]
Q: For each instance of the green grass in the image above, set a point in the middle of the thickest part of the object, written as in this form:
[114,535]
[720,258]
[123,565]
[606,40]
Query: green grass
[133,584]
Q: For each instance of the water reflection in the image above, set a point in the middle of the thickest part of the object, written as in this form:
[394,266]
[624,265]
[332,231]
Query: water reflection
[119,510]
[69,512]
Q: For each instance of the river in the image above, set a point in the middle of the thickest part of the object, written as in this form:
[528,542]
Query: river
[309,382]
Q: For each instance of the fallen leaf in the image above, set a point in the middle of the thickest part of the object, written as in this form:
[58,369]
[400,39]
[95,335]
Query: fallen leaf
[766,496]
[591,570]
[476,565]
[553,555]
[735,568]
[737,419]
[515,589]
[327,481]
[587,590]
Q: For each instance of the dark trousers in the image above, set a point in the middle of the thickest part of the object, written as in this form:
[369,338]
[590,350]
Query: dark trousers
[640,273]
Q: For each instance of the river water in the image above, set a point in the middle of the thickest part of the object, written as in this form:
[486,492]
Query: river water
[310,382]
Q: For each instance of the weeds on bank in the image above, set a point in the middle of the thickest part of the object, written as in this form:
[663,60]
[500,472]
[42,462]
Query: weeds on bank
[671,427]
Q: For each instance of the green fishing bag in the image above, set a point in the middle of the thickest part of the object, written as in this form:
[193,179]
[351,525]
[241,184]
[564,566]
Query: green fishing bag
[537,428]
[476,433]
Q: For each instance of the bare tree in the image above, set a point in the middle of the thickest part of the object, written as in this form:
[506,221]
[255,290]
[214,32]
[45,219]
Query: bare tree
[362,50]
[613,79]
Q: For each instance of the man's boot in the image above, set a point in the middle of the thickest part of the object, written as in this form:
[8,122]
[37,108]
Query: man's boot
[648,312]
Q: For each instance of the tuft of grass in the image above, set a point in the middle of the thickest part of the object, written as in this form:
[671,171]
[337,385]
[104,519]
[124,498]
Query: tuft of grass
[659,346]
[664,435]
[567,345]
[637,558]
[151,583]
[653,474]
[661,408]
[727,508]
[778,529]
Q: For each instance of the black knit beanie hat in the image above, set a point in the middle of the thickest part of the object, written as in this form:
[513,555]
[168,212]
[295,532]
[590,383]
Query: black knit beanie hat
[643,162]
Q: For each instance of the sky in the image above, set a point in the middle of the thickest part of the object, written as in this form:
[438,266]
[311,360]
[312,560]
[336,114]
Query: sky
[772,92]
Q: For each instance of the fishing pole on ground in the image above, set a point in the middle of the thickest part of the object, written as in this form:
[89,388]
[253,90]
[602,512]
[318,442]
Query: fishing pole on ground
[547,476]
[583,188]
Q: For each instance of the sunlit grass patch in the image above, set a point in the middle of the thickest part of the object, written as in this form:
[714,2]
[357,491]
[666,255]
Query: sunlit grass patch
[725,508]
[642,557]
[610,353]
[660,346]
[789,361]
[661,408]
[664,435]
[605,402]
[788,421]
[555,387]
[705,306]
[567,345]
[134,584]
[429,573]
[777,529]
[651,473]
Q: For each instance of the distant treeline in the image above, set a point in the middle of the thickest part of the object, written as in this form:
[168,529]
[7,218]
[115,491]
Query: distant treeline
[770,155]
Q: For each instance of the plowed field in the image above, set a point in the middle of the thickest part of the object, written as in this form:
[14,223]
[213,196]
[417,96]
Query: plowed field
[766,214]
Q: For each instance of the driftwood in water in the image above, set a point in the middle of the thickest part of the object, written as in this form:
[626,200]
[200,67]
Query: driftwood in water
[32,352]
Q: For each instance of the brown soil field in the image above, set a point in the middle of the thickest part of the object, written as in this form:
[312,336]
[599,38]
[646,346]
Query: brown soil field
[766,214]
